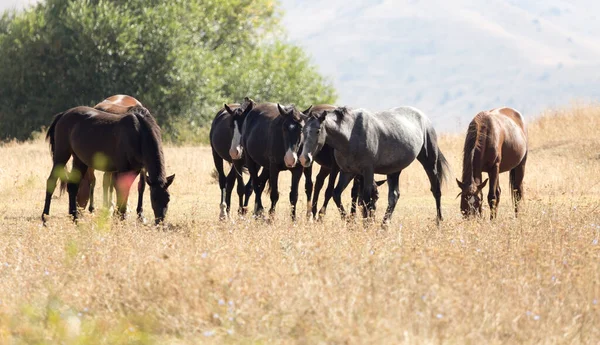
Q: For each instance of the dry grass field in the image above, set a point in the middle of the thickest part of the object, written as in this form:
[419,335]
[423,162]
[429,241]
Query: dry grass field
[531,280]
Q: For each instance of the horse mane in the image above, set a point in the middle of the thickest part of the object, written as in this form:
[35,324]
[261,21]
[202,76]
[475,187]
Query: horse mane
[151,144]
[473,141]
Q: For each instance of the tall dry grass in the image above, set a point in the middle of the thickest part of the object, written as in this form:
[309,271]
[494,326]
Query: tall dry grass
[535,279]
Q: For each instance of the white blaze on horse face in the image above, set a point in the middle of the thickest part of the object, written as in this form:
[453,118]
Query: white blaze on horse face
[235,151]
[290,159]
[471,201]
[306,160]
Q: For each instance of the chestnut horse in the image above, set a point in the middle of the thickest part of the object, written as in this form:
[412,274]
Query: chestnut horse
[119,105]
[124,144]
[496,142]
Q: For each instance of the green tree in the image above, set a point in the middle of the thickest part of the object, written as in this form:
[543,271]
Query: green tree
[182,59]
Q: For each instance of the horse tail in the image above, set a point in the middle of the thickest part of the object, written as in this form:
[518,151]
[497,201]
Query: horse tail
[443,168]
[433,152]
[50,134]
[512,175]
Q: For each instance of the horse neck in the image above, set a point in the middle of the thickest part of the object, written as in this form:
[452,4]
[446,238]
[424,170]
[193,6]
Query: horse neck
[338,132]
[152,154]
[474,149]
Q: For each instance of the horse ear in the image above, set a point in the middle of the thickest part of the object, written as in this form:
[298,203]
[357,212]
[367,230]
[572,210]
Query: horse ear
[460,184]
[379,183]
[228,109]
[307,111]
[169,181]
[248,104]
[481,185]
[322,116]
[281,110]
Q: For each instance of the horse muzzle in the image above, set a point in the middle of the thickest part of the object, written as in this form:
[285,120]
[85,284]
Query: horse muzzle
[290,159]
[306,160]
[236,152]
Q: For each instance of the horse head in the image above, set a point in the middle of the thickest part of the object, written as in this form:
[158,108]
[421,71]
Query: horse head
[471,198]
[238,116]
[292,122]
[314,138]
[160,197]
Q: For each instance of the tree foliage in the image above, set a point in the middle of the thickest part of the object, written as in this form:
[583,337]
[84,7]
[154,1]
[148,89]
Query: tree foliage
[182,59]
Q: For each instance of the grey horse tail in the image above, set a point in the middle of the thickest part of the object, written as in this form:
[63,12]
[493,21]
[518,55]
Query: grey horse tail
[442,168]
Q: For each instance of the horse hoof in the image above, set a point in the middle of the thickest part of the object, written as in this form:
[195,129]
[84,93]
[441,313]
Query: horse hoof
[142,219]
[243,211]
[92,209]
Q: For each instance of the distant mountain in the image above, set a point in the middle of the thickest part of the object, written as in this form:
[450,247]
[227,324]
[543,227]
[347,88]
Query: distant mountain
[453,58]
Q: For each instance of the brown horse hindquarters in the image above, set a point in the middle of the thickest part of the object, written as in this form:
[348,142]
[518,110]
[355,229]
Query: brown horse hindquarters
[514,140]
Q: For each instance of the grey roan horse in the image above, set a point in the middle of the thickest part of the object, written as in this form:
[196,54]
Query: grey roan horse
[384,143]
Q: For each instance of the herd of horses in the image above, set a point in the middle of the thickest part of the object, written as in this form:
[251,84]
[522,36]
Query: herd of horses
[120,137]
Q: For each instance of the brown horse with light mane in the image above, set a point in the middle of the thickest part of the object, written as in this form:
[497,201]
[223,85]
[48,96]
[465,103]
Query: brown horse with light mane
[496,142]
[118,105]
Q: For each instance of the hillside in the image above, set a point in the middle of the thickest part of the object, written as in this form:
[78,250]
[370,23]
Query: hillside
[453,59]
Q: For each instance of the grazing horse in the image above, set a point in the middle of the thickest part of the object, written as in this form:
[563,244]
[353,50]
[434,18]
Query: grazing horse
[386,142]
[221,134]
[260,138]
[119,105]
[123,144]
[496,142]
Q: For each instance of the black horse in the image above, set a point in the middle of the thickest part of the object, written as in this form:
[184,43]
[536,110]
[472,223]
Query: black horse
[262,141]
[221,134]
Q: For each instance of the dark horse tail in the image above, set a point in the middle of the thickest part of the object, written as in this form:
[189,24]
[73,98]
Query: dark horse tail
[52,141]
[442,168]
[50,134]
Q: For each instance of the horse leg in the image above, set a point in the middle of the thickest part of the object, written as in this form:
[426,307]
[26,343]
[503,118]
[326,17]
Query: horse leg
[335,170]
[92,179]
[492,199]
[141,187]
[222,184]
[343,182]
[247,194]
[58,170]
[273,182]
[367,191]
[308,189]
[235,174]
[107,185]
[393,181]
[256,185]
[123,183]
[516,178]
[323,173]
[296,175]
[79,170]
[355,195]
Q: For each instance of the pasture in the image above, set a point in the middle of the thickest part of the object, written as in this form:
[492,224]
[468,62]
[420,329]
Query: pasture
[535,279]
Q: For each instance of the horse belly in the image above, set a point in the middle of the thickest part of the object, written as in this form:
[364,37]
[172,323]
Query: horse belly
[512,155]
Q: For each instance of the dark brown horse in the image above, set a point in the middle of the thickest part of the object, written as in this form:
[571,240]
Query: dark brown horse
[119,105]
[261,139]
[123,144]
[221,133]
[496,142]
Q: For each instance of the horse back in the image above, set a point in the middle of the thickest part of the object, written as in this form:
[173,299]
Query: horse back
[512,114]
[259,133]
[118,104]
